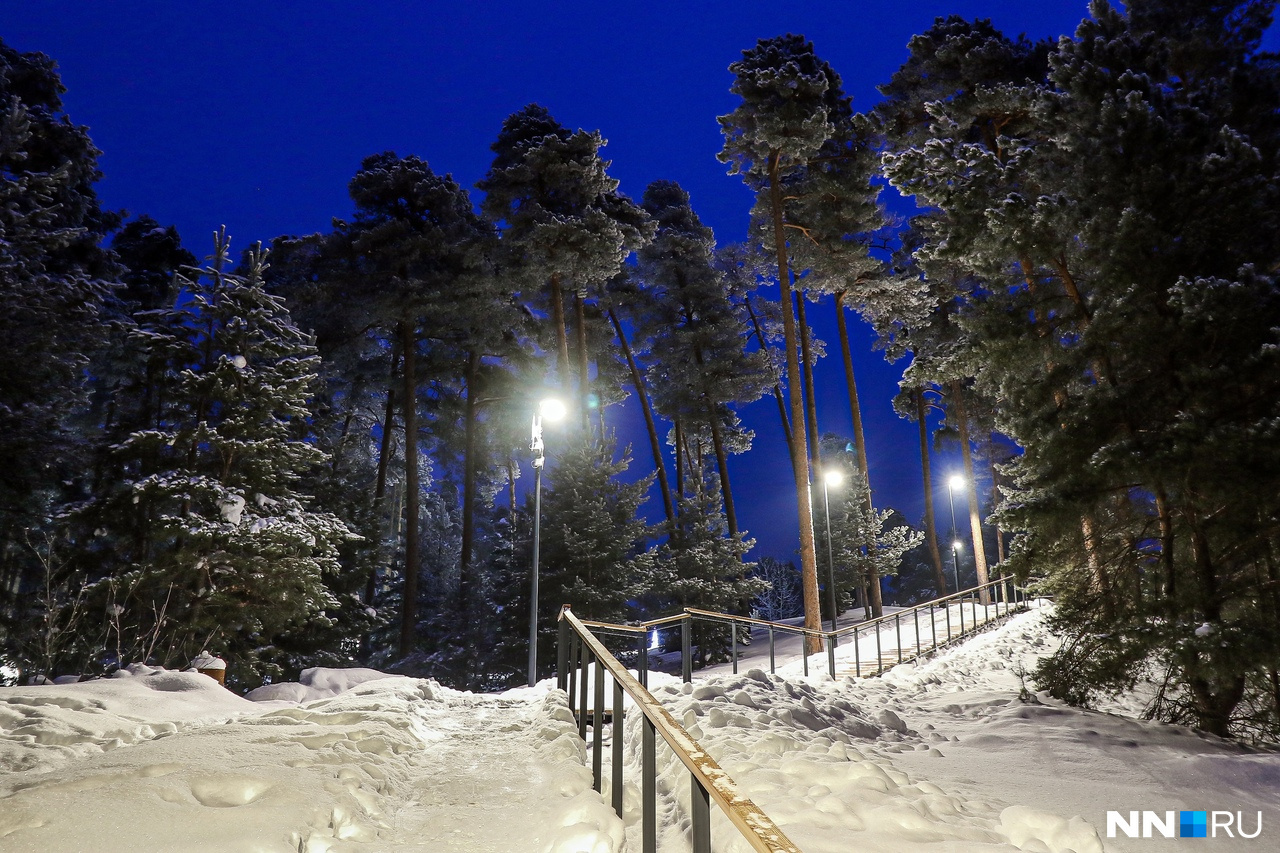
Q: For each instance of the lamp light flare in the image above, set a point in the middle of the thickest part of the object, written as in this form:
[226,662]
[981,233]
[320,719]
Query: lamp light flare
[833,478]
[551,409]
[957,545]
[956,482]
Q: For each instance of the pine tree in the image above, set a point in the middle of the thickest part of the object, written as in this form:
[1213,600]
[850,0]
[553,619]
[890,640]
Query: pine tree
[565,227]
[688,320]
[418,260]
[200,538]
[1127,333]
[783,120]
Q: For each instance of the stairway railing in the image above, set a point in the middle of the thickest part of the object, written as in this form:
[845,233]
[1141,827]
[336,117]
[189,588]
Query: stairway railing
[580,650]
[988,604]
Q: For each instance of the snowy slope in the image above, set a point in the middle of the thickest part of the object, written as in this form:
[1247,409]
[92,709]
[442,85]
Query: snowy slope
[937,757]
[173,762]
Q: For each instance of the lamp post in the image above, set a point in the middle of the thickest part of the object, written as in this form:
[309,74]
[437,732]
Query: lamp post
[830,478]
[954,483]
[552,410]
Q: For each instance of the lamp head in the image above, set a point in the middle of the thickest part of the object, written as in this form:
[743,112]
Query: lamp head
[956,482]
[957,545]
[833,477]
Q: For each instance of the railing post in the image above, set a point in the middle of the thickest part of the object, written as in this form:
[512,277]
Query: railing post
[804,651]
[733,634]
[584,671]
[686,650]
[562,655]
[642,659]
[649,786]
[771,663]
[572,666]
[961,609]
[597,726]
[948,622]
[879,652]
[857,654]
[616,763]
[700,812]
[917,612]
[897,631]
[831,656]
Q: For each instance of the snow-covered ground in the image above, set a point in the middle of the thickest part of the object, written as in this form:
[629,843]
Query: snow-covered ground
[940,756]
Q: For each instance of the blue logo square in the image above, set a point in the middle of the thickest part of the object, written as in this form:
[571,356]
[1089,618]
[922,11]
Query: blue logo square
[1193,824]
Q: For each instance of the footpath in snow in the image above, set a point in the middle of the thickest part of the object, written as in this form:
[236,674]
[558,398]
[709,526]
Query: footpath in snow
[939,756]
[171,761]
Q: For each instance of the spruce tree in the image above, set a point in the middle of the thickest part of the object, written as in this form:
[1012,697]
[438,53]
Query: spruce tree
[593,541]
[200,537]
[1115,218]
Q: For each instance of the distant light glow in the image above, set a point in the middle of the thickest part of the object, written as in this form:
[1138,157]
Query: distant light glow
[956,482]
[653,639]
[833,477]
[957,545]
[551,409]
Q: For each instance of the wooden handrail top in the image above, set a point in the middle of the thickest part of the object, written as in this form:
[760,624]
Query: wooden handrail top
[756,827]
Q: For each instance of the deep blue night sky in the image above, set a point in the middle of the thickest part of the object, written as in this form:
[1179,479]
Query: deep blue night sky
[256,116]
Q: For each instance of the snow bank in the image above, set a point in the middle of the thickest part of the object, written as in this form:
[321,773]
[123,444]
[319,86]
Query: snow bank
[382,763]
[45,726]
[315,683]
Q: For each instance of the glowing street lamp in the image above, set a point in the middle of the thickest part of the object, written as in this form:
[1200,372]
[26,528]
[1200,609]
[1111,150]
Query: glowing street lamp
[552,410]
[830,478]
[956,482]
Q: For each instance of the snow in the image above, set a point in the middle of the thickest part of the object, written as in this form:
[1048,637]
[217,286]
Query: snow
[937,756]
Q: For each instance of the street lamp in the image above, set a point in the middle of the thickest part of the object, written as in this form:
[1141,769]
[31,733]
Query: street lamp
[830,478]
[956,482]
[552,410]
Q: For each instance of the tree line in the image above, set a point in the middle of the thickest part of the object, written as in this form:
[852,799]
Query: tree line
[1085,289]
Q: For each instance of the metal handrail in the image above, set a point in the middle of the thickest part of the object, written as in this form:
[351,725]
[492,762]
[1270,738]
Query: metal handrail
[1001,591]
[708,781]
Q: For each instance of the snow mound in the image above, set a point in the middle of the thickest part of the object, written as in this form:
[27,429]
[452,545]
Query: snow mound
[316,683]
[46,726]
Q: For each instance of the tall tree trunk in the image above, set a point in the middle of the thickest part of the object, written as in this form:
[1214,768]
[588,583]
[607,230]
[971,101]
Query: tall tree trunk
[930,523]
[584,376]
[468,486]
[855,409]
[384,454]
[777,389]
[810,404]
[344,435]
[995,498]
[409,406]
[799,443]
[1166,548]
[637,379]
[975,514]
[860,446]
[562,337]
[679,459]
[722,466]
